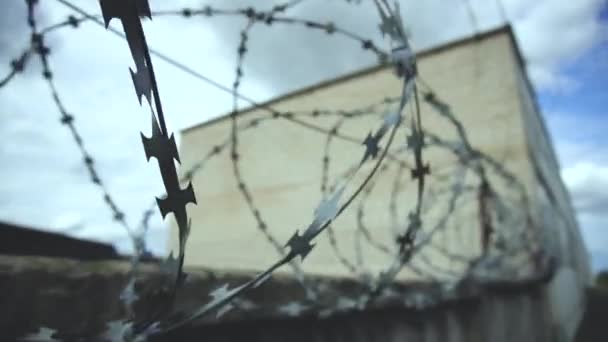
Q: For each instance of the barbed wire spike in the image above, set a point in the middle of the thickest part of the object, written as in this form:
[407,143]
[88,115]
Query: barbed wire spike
[118,331]
[220,295]
[372,142]
[299,245]
[402,55]
[371,147]
[129,16]
[164,149]
[150,330]
[406,240]
[327,210]
[141,83]
[222,292]
[44,334]
[415,141]
[224,310]
[111,9]
[391,23]
[292,308]
[169,266]
[420,171]
[128,294]
[159,145]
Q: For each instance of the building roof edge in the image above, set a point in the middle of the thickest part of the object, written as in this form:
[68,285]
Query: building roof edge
[371,69]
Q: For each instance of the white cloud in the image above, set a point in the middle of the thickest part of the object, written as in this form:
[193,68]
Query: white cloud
[546,77]
[588,184]
[585,173]
[550,32]
[555,30]
[553,33]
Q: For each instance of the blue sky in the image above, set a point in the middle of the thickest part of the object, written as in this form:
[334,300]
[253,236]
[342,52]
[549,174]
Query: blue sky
[563,42]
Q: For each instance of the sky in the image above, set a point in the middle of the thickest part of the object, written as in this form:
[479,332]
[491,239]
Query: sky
[45,183]
[575,109]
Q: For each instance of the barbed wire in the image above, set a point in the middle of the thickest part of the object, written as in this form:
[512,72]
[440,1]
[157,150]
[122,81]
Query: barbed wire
[410,240]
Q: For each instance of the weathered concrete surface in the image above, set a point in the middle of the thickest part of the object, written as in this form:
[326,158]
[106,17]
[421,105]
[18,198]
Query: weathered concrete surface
[493,317]
[62,294]
[281,163]
[78,298]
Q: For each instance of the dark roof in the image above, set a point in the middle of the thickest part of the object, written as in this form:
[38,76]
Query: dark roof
[20,240]
[426,52]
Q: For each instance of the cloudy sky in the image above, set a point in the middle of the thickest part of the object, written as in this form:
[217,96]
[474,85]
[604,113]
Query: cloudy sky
[46,185]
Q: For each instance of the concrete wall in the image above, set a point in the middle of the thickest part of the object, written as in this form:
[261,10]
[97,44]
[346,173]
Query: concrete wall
[553,211]
[550,196]
[505,317]
[78,298]
[282,162]
[484,82]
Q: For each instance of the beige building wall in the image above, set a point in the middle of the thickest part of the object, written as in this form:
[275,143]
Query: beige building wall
[281,163]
